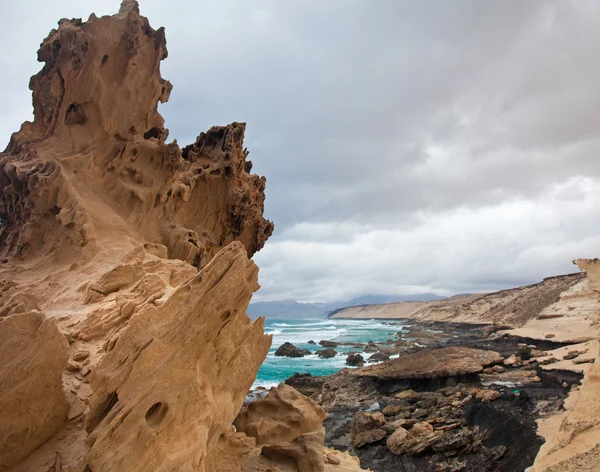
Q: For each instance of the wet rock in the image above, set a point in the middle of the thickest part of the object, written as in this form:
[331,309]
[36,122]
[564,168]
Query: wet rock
[326,353]
[355,359]
[312,342]
[325,343]
[371,347]
[289,350]
[379,356]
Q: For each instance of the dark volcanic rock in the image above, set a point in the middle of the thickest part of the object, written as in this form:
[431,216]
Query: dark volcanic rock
[379,357]
[355,359]
[289,350]
[325,343]
[326,353]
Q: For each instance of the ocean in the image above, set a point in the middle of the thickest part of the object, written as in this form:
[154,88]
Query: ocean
[299,331]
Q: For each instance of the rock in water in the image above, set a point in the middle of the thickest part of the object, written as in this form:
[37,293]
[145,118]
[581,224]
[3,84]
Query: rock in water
[355,359]
[326,353]
[289,350]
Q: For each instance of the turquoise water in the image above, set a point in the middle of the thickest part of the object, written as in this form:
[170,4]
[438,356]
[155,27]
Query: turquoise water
[300,331]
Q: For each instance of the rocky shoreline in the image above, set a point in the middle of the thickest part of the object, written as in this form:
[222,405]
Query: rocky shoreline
[459,397]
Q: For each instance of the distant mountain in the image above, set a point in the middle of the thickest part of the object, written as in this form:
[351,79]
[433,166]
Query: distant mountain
[294,309]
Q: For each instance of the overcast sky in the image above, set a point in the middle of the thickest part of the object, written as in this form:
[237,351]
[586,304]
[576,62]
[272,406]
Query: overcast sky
[431,146]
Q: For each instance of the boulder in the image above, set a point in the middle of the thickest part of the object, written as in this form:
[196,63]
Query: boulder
[420,437]
[355,359]
[282,416]
[289,350]
[326,353]
[379,356]
[366,428]
[325,343]
[512,360]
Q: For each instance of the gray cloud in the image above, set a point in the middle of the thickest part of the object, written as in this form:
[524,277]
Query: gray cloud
[408,146]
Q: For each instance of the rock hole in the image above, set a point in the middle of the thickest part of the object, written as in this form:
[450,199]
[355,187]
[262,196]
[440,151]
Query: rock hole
[156,414]
[75,115]
[215,172]
[197,261]
[228,172]
[55,210]
[104,59]
[152,133]
[134,152]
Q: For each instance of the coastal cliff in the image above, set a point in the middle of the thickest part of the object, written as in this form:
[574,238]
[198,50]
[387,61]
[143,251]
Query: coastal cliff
[125,274]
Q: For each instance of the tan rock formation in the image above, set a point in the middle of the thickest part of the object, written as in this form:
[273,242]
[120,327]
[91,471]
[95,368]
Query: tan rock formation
[288,427]
[573,439]
[32,403]
[125,279]
[166,385]
[282,416]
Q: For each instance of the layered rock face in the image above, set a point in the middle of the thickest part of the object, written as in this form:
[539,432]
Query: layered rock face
[125,272]
[574,442]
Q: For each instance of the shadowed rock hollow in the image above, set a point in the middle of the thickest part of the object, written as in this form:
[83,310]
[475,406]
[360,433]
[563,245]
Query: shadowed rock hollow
[124,273]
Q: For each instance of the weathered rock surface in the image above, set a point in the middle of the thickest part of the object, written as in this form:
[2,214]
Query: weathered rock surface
[32,403]
[154,397]
[124,275]
[366,428]
[432,364]
[282,416]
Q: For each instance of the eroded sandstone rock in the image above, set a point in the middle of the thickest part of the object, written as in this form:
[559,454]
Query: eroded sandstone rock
[167,383]
[32,403]
[282,416]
